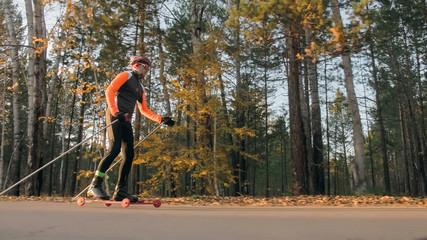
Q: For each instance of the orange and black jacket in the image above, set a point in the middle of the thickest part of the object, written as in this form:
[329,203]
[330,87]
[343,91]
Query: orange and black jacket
[122,94]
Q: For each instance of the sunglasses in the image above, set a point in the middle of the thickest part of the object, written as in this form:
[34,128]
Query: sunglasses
[139,63]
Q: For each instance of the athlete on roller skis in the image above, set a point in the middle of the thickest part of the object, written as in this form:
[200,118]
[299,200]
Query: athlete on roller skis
[122,95]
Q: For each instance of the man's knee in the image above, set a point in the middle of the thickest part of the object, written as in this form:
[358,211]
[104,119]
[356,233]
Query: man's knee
[115,149]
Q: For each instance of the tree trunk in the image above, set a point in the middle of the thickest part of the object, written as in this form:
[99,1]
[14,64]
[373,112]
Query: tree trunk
[15,165]
[305,114]
[202,121]
[316,121]
[299,167]
[51,168]
[421,123]
[283,156]
[412,143]
[36,93]
[139,42]
[404,153]
[266,142]
[380,119]
[55,79]
[417,117]
[328,144]
[424,9]
[166,97]
[335,161]
[72,186]
[237,159]
[48,114]
[240,110]
[368,125]
[197,13]
[358,140]
[348,181]
[64,168]
[31,93]
[3,127]
[408,104]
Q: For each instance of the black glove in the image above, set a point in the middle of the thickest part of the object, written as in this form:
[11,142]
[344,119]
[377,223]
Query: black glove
[121,116]
[168,121]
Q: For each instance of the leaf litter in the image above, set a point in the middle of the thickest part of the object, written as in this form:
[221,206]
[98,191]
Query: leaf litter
[286,201]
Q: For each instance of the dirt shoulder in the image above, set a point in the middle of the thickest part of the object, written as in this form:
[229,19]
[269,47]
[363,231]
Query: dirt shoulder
[309,201]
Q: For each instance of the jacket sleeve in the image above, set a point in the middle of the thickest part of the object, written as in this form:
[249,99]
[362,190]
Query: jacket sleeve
[115,85]
[143,108]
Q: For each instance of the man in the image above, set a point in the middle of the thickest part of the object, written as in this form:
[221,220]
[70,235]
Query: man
[121,95]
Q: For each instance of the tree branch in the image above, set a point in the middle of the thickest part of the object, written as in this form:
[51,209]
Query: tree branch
[19,45]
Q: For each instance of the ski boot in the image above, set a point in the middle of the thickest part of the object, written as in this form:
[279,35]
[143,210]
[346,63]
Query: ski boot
[120,194]
[95,189]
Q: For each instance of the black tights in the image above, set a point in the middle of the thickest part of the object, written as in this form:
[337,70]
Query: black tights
[120,136]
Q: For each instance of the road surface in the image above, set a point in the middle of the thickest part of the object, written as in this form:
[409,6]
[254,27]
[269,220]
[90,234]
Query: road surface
[50,220]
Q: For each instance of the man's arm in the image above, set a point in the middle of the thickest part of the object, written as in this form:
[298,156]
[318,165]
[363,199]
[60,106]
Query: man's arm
[115,85]
[143,108]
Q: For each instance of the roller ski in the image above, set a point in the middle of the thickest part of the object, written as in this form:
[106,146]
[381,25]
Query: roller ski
[125,202]
[95,194]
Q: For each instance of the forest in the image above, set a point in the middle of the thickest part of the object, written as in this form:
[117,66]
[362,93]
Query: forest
[270,97]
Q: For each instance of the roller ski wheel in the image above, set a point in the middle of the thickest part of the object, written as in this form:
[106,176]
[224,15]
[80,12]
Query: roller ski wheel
[157,203]
[125,202]
[81,201]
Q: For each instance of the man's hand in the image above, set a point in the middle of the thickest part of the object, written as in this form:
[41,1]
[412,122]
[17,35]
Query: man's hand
[168,121]
[121,116]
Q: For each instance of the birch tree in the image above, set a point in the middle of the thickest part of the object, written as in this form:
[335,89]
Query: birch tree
[16,105]
[36,89]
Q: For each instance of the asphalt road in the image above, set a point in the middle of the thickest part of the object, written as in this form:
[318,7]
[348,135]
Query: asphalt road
[49,220]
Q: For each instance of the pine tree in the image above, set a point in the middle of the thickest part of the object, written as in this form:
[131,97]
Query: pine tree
[360,174]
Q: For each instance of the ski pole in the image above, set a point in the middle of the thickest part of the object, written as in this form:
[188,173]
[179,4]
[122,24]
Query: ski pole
[49,163]
[149,134]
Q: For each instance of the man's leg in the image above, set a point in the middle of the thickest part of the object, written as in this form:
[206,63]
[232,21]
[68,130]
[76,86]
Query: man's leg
[120,192]
[115,137]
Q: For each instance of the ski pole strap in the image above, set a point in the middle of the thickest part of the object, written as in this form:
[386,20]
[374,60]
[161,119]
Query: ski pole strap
[49,163]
